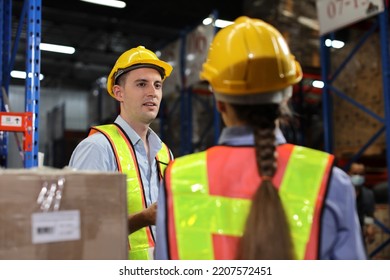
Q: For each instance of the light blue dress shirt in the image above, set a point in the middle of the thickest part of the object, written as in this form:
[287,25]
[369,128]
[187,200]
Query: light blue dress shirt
[95,153]
[340,230]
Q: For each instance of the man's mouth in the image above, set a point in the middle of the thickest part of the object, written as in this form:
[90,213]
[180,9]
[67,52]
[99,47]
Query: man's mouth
[150,104]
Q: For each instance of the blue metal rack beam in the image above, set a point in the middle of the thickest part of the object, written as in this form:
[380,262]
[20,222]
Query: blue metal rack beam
[326,97]
[33,63]
[5,39]
[327,103]
[384,36]
[31,14]
[185,105]
[185,101]
[217,116]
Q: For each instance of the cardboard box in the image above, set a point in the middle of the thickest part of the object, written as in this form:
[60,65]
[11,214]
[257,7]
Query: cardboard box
[59,214]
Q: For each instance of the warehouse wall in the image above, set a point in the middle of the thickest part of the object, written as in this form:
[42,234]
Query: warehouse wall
[76,114]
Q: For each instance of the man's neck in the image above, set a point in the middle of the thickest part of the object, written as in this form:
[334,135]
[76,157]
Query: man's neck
[141,130]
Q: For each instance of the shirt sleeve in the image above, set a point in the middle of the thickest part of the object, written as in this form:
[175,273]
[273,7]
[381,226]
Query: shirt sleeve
[341,236]
[161,250]
[94,153]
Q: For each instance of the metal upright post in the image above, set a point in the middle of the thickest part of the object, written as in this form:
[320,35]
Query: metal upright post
[217,117]
[326,98]
[185,105]
[33,62]
[26,122]
[384,33]
[5,47]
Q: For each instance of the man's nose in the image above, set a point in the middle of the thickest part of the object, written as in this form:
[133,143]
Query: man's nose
[152,90]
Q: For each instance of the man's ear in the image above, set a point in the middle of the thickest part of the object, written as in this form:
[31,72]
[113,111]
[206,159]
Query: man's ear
[117,90]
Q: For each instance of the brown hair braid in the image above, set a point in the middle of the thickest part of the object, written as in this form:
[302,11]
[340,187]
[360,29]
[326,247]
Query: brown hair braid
[266,234]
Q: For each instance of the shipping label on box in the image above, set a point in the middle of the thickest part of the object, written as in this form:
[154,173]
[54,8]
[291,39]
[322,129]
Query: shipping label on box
[63,214]
[55,226]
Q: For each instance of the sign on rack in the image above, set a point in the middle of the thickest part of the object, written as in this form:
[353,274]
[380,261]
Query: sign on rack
[335,14]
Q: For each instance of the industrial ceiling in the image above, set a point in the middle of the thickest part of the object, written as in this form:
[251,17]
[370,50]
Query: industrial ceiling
[100,34]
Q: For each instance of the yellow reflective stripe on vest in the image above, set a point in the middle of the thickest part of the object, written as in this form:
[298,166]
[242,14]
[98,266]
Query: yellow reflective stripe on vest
[198,215]
[139,240]
[163,158]
[298,191]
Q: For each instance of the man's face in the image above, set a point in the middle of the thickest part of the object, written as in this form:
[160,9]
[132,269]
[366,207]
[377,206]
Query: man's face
[356,173]
[140,95]
[357,169]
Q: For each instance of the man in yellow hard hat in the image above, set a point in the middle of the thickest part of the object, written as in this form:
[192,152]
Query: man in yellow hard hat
[129,145]
[254,196]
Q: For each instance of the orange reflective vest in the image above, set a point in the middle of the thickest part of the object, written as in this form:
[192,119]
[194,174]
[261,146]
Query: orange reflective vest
[209,197]
[141,242]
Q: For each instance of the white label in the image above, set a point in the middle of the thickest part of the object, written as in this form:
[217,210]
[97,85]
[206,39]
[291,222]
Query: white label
[55,226]
[11,121]
[334,14]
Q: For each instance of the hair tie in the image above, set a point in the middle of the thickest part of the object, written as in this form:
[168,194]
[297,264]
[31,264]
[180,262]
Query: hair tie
[266,178]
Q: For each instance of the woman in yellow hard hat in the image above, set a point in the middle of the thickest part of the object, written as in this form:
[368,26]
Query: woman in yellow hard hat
[253,196]
[129,145]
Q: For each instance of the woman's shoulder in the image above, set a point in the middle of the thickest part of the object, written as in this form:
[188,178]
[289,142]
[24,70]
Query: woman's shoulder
[340,190]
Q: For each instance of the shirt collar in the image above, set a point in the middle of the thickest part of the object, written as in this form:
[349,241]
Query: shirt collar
[134,137]
[155,142]
[243,136]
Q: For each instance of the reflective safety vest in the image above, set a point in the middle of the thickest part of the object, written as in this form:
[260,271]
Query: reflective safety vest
[141,242]
[209,197]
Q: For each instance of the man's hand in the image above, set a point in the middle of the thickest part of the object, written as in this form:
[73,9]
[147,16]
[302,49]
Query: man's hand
[146,217]
[151,213]
[369,233]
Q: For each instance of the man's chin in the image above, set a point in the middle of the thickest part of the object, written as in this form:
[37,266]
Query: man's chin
[149,118]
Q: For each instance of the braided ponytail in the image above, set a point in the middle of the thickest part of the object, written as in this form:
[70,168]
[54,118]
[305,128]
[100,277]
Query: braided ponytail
[266,234]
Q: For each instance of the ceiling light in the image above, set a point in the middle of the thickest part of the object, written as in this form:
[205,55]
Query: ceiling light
[317,84]
[110,3]
[22,75]
[57,48]
[336,44]
[220,23]
[207,21]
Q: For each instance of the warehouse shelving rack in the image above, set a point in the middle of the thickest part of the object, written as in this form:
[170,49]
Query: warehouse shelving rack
[187,97]
[25,122]
[328,78]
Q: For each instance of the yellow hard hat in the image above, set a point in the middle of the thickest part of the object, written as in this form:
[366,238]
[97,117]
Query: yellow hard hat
[134,58]
[249,57]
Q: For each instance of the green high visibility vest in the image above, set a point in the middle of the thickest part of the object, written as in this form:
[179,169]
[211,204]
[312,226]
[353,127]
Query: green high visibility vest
[141,242]
[209,197]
